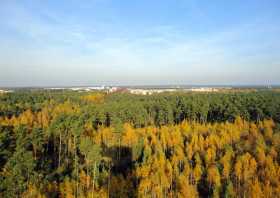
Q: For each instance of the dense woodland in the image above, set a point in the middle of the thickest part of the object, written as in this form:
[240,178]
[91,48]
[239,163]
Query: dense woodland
[88,145]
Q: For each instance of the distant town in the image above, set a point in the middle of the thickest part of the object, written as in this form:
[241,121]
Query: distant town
[144,90]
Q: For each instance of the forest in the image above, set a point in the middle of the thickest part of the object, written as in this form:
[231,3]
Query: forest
[64,144]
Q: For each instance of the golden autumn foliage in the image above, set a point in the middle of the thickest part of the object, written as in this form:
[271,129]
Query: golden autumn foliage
[33,192]
[129,136]
[95,98]
[189,159]
[65,108]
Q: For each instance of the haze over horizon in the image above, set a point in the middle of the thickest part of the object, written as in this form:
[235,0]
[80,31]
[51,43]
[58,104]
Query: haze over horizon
[95,42]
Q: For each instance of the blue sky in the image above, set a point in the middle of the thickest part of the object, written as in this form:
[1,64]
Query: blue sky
[88,42]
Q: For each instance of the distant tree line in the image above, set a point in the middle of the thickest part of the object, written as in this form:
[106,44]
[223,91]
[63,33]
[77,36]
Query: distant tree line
[159,109]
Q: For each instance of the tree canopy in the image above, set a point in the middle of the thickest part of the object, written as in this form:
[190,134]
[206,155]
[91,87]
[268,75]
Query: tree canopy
[80,144]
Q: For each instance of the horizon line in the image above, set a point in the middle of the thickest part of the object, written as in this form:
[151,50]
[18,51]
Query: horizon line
[142,85]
